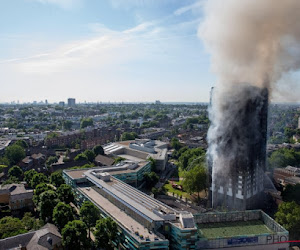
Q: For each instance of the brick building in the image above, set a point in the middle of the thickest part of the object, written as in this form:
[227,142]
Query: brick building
[16,196]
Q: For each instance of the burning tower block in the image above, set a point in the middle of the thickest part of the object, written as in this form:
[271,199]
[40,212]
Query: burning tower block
[238,149]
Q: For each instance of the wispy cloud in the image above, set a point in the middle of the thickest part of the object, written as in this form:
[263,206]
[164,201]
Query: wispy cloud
[197,5]
[107,47]
[65,4]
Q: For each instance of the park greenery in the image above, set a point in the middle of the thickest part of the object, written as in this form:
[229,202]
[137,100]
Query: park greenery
[284,157]
[127,136]
[86,122]
[288,215]
[195,180]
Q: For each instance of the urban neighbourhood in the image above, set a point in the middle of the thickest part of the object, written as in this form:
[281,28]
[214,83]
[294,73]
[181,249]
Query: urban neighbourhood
[137,177]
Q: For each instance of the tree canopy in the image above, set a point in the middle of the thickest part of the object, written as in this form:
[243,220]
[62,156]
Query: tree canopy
[67,124]
[105,233]
[291,193]
[10,226]
[14,153]
[195,180]
[28,176]
[98,150]
[284,157]
[56,179]
[175,144]
[89,214]
[62,214]
[51,160]
[288,215]
[86,122]
[90,155]
[21,143]
[15,171]
[80,157]
[151,179]
[190,157]
[48,201]
[65,194]
[126,136]
[74,236]
[37,179]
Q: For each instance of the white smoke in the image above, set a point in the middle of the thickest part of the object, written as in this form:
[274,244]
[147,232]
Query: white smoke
[251,42]
[254,41]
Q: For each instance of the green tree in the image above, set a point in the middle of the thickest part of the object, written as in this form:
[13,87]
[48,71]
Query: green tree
[150,179]
[52,135]
[119,159]
[62,214]
[291,193]
[28,176]
[29,222]
[126,136]
[15,171]
[195,180]
[80,157]
[4,161]
[98,150]
[153,164]
[65,193]
[11,180]
[48,201]
[86,122]
[10,226]
[175,144]
[89,214]
[39,189]
[106,233]
[288,215]
[284,157]
[51,160]
[191,156]
[89,155]
[37,179]
[56,179]
[14,154]
[21,143]
[67,124]
[74,236]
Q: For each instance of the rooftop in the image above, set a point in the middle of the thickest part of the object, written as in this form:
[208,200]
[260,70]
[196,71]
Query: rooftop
[36,240]
[121,168]
[119,215]
[131,196]
[235,228]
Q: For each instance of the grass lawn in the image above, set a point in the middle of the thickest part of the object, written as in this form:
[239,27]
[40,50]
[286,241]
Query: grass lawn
[170,189]
[236,228]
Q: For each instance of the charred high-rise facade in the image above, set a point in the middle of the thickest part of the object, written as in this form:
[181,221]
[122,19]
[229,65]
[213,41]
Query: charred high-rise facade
[237,151]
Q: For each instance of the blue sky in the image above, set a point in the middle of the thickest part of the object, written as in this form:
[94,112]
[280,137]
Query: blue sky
[103,50]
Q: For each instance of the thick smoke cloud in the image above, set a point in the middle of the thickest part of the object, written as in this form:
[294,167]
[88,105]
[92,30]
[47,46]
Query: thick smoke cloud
[252,43]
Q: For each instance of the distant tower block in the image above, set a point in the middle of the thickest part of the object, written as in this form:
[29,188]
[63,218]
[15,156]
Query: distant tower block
[71,102]
[239,183]
[299,122]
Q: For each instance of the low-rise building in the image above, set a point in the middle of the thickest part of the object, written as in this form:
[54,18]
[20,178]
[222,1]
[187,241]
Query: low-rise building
[101,160]
[144,222]
[140,150]
[47,237]
[288,175]
[16,196]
